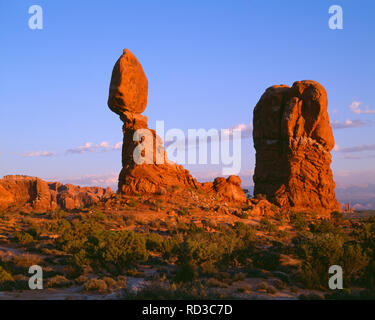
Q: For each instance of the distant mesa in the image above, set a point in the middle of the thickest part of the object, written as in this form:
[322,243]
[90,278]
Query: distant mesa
[293,139]
[34,194]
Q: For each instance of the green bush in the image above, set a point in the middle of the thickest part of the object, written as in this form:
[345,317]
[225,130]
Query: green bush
[219,248]
[267,260]
[319,251]
[186,273]
[58,281]
[267,226]
[112,250]
[298,219]
[6,280]
[154,242]
[323,226]
[23,237]
[95,285]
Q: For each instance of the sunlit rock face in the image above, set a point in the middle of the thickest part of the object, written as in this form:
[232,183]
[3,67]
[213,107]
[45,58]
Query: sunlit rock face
[293,139]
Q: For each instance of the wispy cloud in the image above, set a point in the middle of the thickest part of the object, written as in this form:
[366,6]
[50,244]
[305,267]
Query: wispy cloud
[103,180]
[355,107]
[363,147]
[91,147]
[348,124]
[38,154]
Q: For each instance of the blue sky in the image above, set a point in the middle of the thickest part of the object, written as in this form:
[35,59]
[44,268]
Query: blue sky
[207,62]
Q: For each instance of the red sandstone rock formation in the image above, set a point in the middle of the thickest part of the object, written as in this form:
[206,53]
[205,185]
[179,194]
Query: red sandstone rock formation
[128,98]
[293,139]
[31,193]
[228,189]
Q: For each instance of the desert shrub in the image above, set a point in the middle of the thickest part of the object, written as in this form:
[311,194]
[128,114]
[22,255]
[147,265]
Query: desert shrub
[60,226]
[267,225]
[246,288]
[111,283]
[74,236]
[278,284]
[136,273]
[58,281]
[186,273]
[271,290]
[170,246]
[262,286]
[22,263]
[223,249]
[6,280]
[154,242]
[81,279]
[95,285]
[112,250]
[132,203]
[212,282]
[99,215]
[319,251]
[186,229]
[60,214]
[121,281]
[337,216]
[5,275]
[184,211]
[267,260]
[298,219]
[323,226]
[23,237]
[244,231]
[35,230]
[91,245]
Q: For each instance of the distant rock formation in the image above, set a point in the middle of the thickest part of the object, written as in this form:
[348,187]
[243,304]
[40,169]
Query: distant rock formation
[293,139]
[227,189]
[31,193]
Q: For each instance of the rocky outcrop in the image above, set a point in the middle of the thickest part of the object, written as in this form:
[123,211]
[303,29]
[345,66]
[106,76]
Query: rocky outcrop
[31,193]
[128,98]
[227,189]
[293,139]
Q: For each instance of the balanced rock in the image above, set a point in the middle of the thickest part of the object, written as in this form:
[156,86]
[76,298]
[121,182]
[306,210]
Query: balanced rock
[128,98]
[293,139]
[129,85]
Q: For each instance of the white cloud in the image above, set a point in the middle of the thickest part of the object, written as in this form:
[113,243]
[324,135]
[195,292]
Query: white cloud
[354,107]
[38,154]
[363,147]
[91,147]
[103,180]
[347,124]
